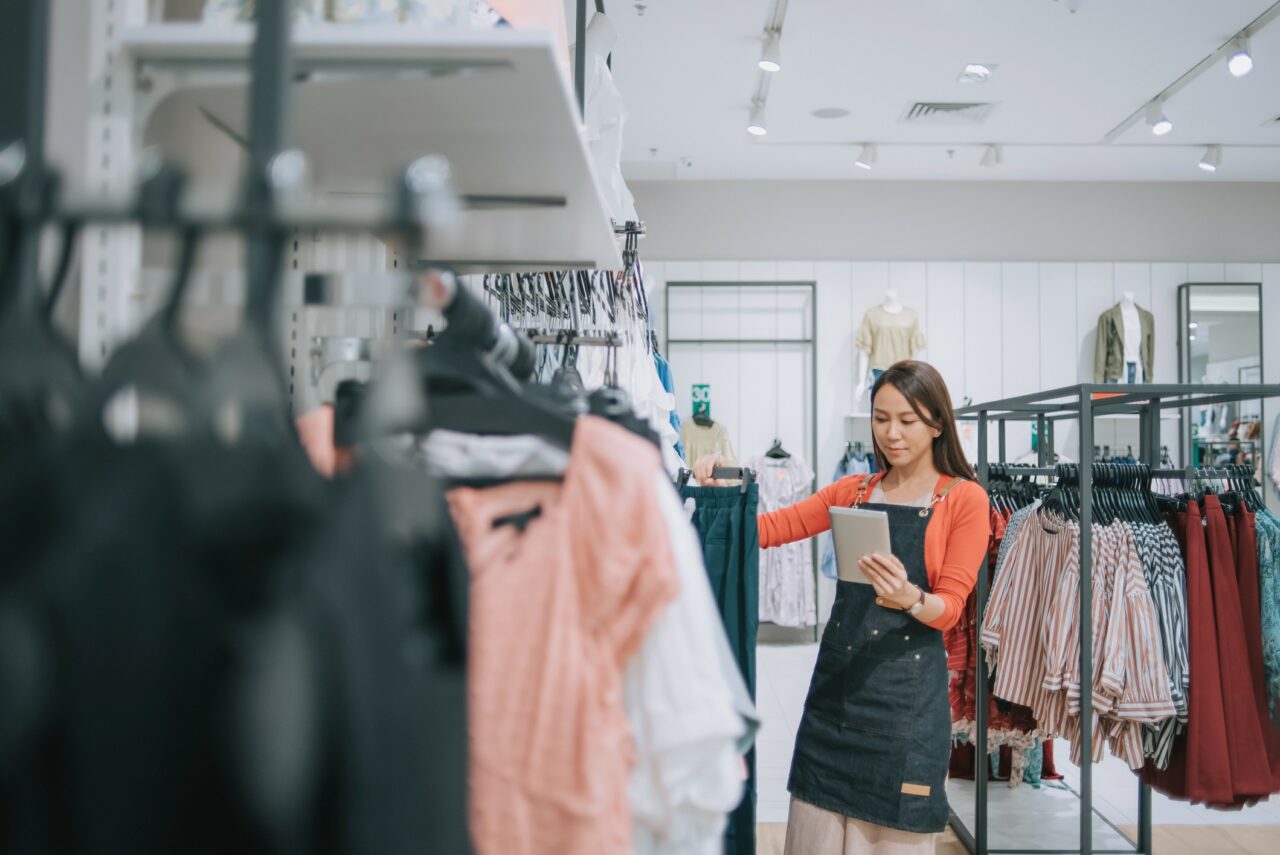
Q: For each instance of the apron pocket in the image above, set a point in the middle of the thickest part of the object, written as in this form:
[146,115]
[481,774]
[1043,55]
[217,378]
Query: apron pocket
[827,688]
[880,694]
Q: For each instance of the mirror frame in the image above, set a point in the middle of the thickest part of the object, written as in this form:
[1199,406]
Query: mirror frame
[1184,350]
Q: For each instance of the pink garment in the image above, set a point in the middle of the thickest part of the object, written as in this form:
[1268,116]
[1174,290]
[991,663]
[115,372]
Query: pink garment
[556,611]
[538,15]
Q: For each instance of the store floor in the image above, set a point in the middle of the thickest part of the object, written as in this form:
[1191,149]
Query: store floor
[1035,818]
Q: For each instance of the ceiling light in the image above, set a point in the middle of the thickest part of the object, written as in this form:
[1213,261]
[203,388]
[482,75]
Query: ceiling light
[1193,338]
[1193,325]
[1212,158]
[1239,60]
[976,72]
[771,57]
[1160,124]
[830,113]
[992,156]
[866,157]
[756,125]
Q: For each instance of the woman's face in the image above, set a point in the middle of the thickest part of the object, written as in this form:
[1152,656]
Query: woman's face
[901,434]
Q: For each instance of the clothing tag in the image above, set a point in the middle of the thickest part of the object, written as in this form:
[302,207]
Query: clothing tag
[916,789]
[519,520]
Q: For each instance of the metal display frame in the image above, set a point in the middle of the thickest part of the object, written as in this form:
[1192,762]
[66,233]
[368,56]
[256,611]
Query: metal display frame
[811,342]
[1082,403]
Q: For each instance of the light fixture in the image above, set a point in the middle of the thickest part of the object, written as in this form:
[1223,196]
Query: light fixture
[1192,337]
[756,124]
[1212,158]
[1160,124]
[976,72]
[771,56]
[866,157]
[992,156]
[1239,60]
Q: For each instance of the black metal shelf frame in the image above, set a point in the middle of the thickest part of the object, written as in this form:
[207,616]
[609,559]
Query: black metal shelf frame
[1084,403]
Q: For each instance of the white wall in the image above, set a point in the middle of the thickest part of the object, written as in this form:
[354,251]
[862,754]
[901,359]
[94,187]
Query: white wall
[977,221]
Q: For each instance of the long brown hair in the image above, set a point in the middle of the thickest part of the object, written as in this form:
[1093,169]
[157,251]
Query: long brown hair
[926,391]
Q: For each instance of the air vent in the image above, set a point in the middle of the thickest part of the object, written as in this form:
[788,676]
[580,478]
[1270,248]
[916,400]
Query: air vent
[948,113]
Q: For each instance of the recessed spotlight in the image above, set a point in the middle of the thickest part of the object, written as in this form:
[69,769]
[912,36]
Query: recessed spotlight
[1239,60]
[830,113]
[976,72]
[992,156]
[1192,337]
[1159,122]
[866,157]
[1193,325]
[771,56]
[1212,158]
[756,124]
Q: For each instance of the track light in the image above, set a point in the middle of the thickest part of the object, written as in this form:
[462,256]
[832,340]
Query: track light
[992,156]
[771,56]
[1160,124]
[756,124]
[1239,60]
[1212,158]
[866,157]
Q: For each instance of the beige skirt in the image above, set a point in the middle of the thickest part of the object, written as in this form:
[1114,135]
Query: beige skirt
[814,831]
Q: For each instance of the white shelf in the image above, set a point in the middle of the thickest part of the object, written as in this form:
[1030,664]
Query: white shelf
[370,100]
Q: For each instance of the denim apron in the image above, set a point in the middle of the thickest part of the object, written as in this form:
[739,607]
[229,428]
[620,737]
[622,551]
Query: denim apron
[875,739]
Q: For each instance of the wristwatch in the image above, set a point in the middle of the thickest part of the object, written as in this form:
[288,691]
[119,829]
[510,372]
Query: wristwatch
[919,606]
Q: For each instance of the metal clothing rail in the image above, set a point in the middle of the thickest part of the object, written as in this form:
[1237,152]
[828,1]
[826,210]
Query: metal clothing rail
[810,341]
[1085,403]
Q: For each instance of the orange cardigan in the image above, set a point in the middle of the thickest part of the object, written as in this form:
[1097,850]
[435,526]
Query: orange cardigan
[955,542]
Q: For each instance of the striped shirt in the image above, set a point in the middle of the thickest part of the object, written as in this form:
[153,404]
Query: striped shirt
[1031,632]
[1166,573]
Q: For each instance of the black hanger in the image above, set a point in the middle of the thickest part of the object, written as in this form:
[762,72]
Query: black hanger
[777,452]
[155,362]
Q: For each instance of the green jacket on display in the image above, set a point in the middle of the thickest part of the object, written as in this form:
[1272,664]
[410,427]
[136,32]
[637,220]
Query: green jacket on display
[1108,352]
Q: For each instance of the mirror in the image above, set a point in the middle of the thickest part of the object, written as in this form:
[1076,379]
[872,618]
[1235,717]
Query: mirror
[1221,342]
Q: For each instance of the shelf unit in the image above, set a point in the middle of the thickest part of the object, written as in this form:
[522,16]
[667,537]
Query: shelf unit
[367,100]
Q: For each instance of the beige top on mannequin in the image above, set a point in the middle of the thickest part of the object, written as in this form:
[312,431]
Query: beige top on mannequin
[889,332]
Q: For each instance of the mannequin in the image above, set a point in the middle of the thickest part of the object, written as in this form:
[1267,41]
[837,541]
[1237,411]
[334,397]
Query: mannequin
[867,340]
[1125,343]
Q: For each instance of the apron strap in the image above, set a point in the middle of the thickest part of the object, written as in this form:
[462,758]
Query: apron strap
[868,484]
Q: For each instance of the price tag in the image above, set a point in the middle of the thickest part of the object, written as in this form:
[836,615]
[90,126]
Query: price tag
[702,399]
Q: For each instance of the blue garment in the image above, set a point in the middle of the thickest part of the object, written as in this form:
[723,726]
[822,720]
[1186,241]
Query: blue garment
[1269,594]
[847,465]
[668,383]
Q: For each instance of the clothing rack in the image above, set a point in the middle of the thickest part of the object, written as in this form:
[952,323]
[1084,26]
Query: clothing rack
[1082,403]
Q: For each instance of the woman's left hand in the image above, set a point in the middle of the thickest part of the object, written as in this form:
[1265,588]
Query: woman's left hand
[889,578]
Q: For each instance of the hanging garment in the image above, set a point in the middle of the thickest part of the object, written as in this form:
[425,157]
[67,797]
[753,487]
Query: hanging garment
[700,441]
[1247,751]
[1247,576]
[828,565]
[689,711]
[725,520]
[787,586]
[1166,576]
[879,693]
[668,385]
[550,745]
[1199,769]
[889,337]
[1269,593]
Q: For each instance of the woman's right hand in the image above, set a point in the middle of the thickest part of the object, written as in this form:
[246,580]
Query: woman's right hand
[703,469]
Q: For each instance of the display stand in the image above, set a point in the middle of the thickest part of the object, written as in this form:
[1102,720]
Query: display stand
[1084,403]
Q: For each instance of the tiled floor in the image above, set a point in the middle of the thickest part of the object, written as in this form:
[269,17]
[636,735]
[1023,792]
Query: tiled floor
[1024,816]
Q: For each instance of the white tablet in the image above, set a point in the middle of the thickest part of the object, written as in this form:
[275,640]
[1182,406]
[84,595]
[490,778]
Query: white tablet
[858,533]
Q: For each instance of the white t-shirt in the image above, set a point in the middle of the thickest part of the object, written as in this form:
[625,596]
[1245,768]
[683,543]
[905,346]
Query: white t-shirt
[683,714]
[1132,335]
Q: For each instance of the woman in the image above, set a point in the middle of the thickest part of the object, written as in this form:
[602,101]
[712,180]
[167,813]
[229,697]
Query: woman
[871,756]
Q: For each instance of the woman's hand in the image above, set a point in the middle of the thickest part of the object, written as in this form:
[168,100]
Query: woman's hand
[889,578]
[703,469]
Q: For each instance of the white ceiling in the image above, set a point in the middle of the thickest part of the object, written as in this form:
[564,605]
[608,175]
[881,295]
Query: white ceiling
[687,70]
